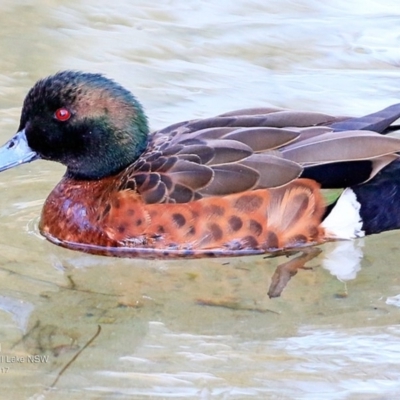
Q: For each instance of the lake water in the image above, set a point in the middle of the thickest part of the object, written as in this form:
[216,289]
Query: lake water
[197,329]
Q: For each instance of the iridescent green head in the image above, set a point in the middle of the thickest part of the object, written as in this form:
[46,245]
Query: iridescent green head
[85,121]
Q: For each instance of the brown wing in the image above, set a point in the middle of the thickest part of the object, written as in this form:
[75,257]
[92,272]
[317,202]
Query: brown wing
[246,150]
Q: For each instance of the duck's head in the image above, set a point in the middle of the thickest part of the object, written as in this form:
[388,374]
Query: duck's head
[85,121]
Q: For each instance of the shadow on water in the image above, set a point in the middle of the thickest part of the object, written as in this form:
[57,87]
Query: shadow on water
[184,327]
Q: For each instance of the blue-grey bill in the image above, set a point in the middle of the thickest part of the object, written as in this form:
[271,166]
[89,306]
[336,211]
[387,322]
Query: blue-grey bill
[16,151]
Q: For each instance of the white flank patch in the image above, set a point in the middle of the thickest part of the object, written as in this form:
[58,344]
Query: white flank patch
[344,221]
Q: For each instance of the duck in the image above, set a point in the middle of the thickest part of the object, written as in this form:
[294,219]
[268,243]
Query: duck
[250,181]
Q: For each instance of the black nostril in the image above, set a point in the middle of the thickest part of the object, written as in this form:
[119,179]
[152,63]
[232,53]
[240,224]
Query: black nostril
[11,144]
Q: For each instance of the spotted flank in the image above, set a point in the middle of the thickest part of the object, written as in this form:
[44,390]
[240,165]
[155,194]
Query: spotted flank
[263,220]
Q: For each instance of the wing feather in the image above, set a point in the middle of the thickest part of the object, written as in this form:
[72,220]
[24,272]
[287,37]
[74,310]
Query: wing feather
[258,148]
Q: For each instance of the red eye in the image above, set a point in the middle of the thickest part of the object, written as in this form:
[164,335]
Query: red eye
[62,114]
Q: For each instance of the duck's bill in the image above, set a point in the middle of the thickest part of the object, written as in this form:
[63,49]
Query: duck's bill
[16,151]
